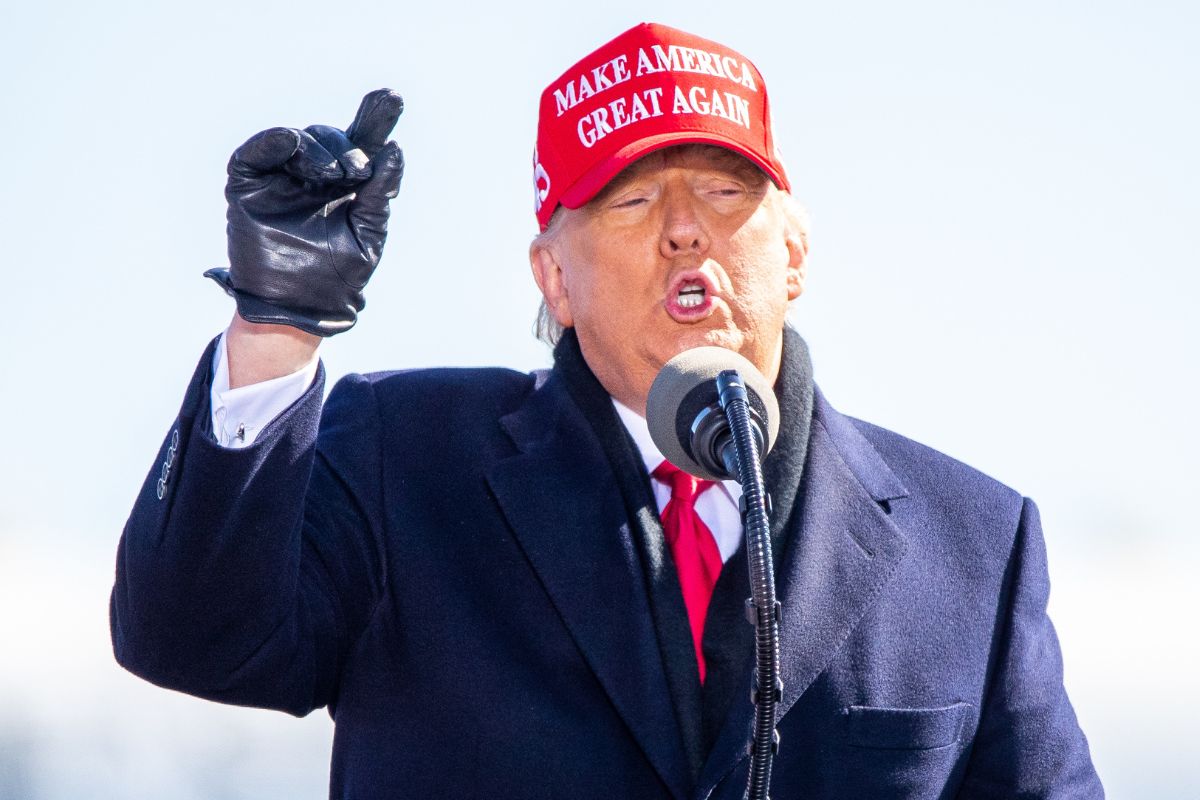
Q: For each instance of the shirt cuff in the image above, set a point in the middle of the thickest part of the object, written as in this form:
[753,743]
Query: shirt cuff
[238,415]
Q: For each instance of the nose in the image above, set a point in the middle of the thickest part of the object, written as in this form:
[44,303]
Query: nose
[683,231]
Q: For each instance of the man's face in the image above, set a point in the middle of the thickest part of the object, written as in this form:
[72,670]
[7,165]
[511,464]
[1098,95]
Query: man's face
[689,246]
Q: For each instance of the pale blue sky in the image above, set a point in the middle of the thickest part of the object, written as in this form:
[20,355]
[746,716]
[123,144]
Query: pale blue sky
[1004,266]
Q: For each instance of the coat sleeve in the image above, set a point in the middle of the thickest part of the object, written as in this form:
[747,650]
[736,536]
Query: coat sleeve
[244,575]
[1029,743]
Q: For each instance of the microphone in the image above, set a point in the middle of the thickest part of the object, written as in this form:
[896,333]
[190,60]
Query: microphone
[712,413]
[685,413]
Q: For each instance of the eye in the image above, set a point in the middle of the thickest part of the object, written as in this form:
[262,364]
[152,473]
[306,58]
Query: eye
[632,197]
[724,190]
[629,201]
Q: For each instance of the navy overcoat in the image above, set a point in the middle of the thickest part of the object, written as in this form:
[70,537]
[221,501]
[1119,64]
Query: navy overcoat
[442,559]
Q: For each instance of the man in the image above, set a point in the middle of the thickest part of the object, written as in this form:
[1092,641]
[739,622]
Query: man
[493,581]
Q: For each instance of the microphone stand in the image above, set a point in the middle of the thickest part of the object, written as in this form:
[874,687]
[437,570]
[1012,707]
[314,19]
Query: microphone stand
[762,610]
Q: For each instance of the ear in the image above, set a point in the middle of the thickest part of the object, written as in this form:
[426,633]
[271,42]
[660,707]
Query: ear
[796,238]
[548,273]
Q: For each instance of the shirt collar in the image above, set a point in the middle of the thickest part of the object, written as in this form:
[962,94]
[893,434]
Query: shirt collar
[639,431]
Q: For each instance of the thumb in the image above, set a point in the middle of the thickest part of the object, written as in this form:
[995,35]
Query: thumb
[264,152]
[369,211]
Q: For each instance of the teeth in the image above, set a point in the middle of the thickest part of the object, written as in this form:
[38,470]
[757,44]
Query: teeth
[690,294]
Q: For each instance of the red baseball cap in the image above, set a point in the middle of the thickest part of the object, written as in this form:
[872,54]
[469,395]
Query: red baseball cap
[649,88]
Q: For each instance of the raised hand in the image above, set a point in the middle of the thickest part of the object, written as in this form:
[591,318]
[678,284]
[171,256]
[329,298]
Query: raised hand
[307,218]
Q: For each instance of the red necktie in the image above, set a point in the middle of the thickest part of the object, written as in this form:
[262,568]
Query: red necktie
[693,548]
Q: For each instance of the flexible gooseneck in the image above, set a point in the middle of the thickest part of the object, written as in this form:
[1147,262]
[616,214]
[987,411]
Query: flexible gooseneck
[762,610]
[713,414]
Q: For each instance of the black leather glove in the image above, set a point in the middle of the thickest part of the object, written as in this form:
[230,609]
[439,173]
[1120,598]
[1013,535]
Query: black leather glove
[307,216]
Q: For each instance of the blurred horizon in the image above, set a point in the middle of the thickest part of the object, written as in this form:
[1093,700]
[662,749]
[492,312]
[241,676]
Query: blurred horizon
[1003,267]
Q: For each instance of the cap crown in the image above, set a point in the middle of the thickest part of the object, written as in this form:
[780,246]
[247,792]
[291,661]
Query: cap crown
[651,87]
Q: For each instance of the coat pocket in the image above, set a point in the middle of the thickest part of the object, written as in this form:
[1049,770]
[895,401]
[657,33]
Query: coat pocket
[905,728]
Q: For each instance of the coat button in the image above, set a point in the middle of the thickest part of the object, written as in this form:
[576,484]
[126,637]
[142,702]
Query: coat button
[165,471]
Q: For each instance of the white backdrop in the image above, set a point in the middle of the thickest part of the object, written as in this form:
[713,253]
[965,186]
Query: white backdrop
[1004,267]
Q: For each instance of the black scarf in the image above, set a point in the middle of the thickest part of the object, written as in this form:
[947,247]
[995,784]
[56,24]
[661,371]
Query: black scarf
[728,639]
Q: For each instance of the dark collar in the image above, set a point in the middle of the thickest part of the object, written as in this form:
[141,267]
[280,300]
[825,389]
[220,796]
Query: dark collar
[560,494]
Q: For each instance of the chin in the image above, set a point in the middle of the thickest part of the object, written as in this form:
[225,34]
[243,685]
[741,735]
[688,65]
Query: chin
[714,337]
[686,340]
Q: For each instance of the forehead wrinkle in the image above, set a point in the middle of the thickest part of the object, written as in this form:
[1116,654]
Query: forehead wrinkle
[718,158]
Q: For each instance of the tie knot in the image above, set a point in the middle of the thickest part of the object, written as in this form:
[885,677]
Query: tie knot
[684,487]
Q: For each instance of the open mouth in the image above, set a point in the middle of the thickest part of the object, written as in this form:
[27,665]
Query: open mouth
[690,298]
[690,295]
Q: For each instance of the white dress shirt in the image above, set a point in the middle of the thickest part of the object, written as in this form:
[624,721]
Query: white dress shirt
[717,507]
[238,415]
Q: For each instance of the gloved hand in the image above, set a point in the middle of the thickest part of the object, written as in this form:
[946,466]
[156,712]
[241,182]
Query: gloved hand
[307,218]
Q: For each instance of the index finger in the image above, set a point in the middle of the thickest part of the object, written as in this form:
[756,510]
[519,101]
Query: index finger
[377,115]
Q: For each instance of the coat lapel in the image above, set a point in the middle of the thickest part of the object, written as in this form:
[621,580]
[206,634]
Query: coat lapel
[562,501]
[843,549]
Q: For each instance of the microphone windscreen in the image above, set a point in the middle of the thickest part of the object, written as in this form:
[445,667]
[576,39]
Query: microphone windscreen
[685,386]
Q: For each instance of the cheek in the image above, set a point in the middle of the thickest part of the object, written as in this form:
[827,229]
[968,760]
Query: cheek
[759,271]
[597,295]
[579,274]
[607,284]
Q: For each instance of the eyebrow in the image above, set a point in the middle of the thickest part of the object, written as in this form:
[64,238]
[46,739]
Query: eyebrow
[725,160]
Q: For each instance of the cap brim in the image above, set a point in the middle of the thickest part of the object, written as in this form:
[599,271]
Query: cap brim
[598,177]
